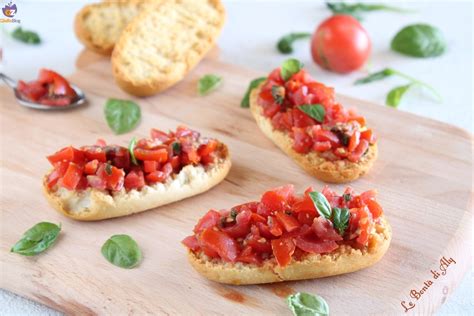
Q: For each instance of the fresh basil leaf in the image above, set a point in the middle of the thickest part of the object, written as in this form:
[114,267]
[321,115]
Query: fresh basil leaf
[395,95]
[37,239]
[379,75]
[419,40]
[245,103]
[347,197]
[176,148]
[316,111]
[233,214]
[122,115]
[131,147]
[304,304]
[208,83]
[321,203]
[108,169]
[25,36]
[278,94]
[290,67]
[285,43]
[357,9]
[340,219]
[122,251]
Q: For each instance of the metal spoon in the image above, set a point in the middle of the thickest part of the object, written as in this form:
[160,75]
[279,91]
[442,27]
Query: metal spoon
[80,100]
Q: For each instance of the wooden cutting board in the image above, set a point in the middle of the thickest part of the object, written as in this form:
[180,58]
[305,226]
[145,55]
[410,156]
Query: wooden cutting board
[423,175]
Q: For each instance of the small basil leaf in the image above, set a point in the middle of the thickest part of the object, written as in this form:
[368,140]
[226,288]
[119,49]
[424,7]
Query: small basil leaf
[131,147]
[357,9]
[37,239]
[278,94]
[321,203]
[347,197]
[122,115]
[285,43]
[245,103]
[122,251]
[290,67]
[176,148]
[419,40]
[304,304]
[395,95]
[25,36]
[208,83]
[340,219]
[379,75]
[316,111]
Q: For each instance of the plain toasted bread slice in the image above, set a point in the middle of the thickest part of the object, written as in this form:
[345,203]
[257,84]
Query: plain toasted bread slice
[92,204]
[98,26]
[163,43]
[344,259]
[339,171]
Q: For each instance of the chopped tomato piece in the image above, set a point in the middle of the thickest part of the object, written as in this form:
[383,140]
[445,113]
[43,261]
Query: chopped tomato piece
[324,229]
[156,176]
[31,91]
[69,154]
[354,141]
[316,246]
[209,220]
[374,208]
[258,243]
[368,195]
[274,226]
[365,225]
[191,242]
[159,155]
[58,172]
[207,149]
[283,249]
[159,135]
[278,198]
[134,180]
[72,176]
[302,141]
[113,176]
[221,243]
[95,152]
[248,256]
[321,146]
[96,182]
[150,165]
[322,135]
[288,222]
[359,151]
[91,167]
[241,226]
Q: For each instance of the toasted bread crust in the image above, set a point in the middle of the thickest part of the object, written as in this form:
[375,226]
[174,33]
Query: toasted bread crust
[93,204]
[178,41]
[345,259]
[110,17]
[339,171]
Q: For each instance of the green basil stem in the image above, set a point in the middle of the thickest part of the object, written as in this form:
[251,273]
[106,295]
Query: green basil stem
[438,96]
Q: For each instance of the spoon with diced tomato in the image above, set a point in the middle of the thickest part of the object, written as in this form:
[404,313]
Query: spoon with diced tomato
[50,91]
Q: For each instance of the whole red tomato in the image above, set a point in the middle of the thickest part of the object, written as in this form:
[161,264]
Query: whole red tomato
[340,44]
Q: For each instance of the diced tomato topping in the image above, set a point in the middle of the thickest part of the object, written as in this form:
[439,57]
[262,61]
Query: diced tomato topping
[354,141]
[95,152]
[150,166]
[58,172]
[134,180]
[191,242]
[241,226]
[278,199]
[324,229]
[221,243]
[321,146]
[159,135]
[91,167]
[283,249]
[288,222]
[359,151]
[68,154]
[211,219]
[374,208]
[159,155]
[72,176]
[156,176]
[315,246]
[302,141]
[96,182]
[207,149]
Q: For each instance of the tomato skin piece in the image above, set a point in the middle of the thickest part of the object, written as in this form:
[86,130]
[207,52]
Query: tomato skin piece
[283,249]
[72,176]
[257,242]
[359,151]
[114,180]
[354,141]
[274,226]
[150,166]
[159,155]
[241,226]
[209,220]
[221,243]
[94,152]
[90,168]
[96,182]
[191,242]
[368,195]
[302,142]
[134,180]
[288,222]
[248,256]
[340,44]
[278,199]
[159,135]
[58,172]
[69,154]
[324,229]
[155,177]
[207,149]
[321,146]
[315,246]
[32,91]
[368,135]
[322,135]
[374,208]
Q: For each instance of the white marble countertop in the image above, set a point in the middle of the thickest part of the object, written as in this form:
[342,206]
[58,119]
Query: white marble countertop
[249,39]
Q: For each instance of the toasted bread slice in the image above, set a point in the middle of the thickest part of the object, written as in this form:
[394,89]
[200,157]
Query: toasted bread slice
[163,43]
[98,26]
[92,204]
[339,171]
[344,259]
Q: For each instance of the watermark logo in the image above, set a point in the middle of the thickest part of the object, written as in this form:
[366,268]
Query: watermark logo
[9,10]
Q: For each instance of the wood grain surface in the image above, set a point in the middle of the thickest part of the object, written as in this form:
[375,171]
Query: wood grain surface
[423,175]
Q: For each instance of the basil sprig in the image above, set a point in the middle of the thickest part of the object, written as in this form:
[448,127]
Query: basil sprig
[338,216]
[122,115]
[122,251]
[131,147]
[37,239]
[245,103]
[316,111]
[278,94]
[395,95]
[419,40]
[305,304]
[285,43]
[208,83]
[290,67]
[26,36]
[358,9]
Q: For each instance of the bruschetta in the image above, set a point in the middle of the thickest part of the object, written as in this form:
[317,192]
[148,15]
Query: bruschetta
[303,118]
[287,237]
[105,181]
